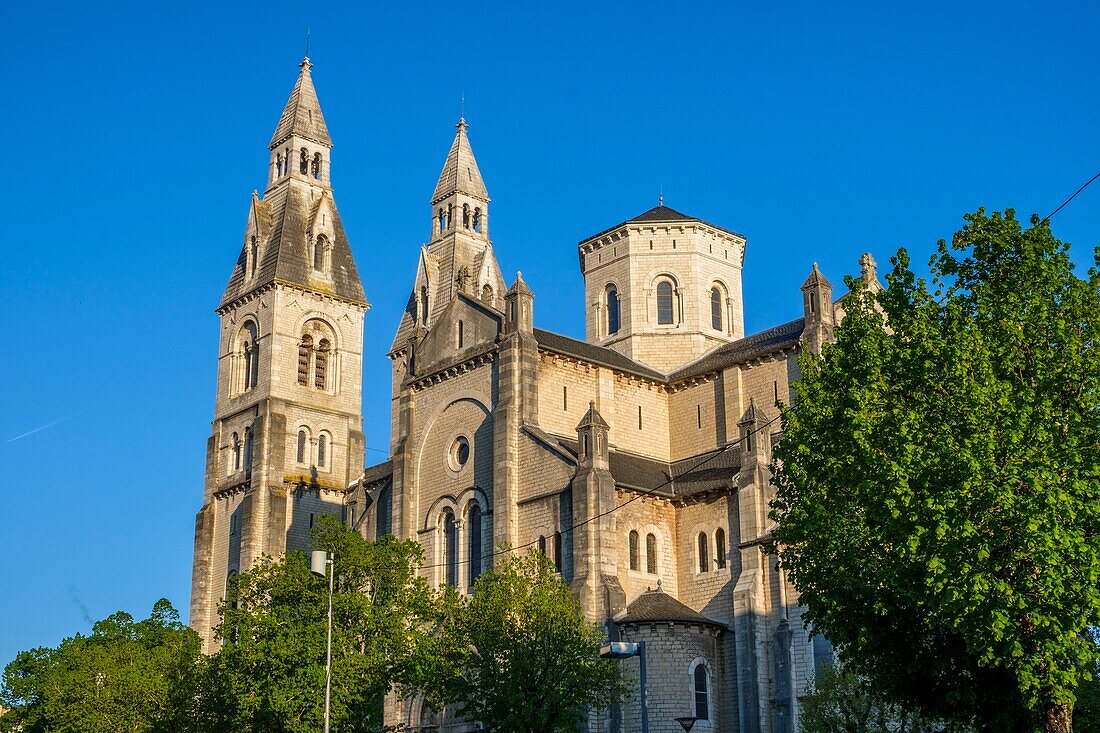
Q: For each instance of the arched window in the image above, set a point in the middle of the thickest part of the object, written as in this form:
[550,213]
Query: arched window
[720,547]
[477,220]
[473,551]
[279,164]
[442,221]
[236,447]
[450,548]
[250,360]
[664,302]
[612,310]
[716,309]
[542,545]
[305,355]
[651,553]
[813,302]
[322,254]
[424,305]
[253,252]
[248,452]
[704,553]
[487,294]
[633,543]
[320,367]
[302,453]
[702,694]
[450,215]
[303,163]
[316,166]
[557,551]
[586,446]
[465,216]
[322,451]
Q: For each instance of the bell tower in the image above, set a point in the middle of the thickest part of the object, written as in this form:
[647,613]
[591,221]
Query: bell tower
[287,435]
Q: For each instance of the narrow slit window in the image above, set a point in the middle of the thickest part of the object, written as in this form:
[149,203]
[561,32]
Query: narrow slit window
[557,552]
[612,311]
[633,546]
[651,553]
[716,309]
[322,451]
[720,547]
[704,554]
[565,398]
[473,551]
[639,417]
[450,548]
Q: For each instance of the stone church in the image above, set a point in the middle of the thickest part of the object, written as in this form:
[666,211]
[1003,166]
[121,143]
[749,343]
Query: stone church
[636,459]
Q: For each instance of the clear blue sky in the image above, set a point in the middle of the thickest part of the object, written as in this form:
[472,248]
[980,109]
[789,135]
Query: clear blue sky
[136,132]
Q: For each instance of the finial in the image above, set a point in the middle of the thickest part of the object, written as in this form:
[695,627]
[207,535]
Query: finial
[462,123]
[462,105]
[658,584]
[868,267]
[661,195]
[307,41]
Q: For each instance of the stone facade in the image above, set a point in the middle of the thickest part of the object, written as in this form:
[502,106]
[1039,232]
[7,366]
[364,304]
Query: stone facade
[636,459]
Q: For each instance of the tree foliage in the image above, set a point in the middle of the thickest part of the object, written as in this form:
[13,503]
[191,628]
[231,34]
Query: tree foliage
[938,500]
[519,656]
[839,701]
[270,672]
[127,675]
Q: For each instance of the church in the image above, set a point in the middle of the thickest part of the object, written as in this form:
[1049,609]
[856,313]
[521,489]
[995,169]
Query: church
[636,459]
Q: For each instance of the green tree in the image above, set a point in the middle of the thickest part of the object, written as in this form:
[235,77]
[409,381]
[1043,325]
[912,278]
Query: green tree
[840,701]
[520,657]
[938,500]
[270,672]
[127,675]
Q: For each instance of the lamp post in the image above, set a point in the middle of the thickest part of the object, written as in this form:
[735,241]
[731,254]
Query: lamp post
[625,650]
[319,563]
[686,722]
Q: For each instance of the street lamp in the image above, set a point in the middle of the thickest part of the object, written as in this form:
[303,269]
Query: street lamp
[625,650]
[686,722]
[319,563]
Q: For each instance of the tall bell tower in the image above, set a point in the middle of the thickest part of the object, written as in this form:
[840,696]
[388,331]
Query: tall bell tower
[287,435]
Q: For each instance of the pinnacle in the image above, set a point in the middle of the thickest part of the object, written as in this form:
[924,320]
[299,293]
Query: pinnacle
[460,172]
[302,114]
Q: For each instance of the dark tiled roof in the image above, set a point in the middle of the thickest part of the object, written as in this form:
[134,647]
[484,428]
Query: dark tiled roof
[595,354]
[714,474]
[379,472]
[639,472]
[656,605]
[759,344]
[658,214]
[286,251]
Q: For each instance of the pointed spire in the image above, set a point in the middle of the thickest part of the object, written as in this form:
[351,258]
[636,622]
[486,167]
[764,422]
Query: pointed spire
[593,418]
[302,114]
[815,279]
[460,172]
[520,285]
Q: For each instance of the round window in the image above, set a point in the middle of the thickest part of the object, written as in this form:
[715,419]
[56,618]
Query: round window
[460,453]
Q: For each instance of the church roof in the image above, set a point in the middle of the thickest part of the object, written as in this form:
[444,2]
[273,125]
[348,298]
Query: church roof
[286,255]
[592,418]
[656,605]
[302,114]
[595,354]
[460,172]
[783,336]
[661,214]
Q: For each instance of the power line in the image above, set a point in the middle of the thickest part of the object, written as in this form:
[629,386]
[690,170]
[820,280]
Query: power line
[613,509]
[1071,198]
